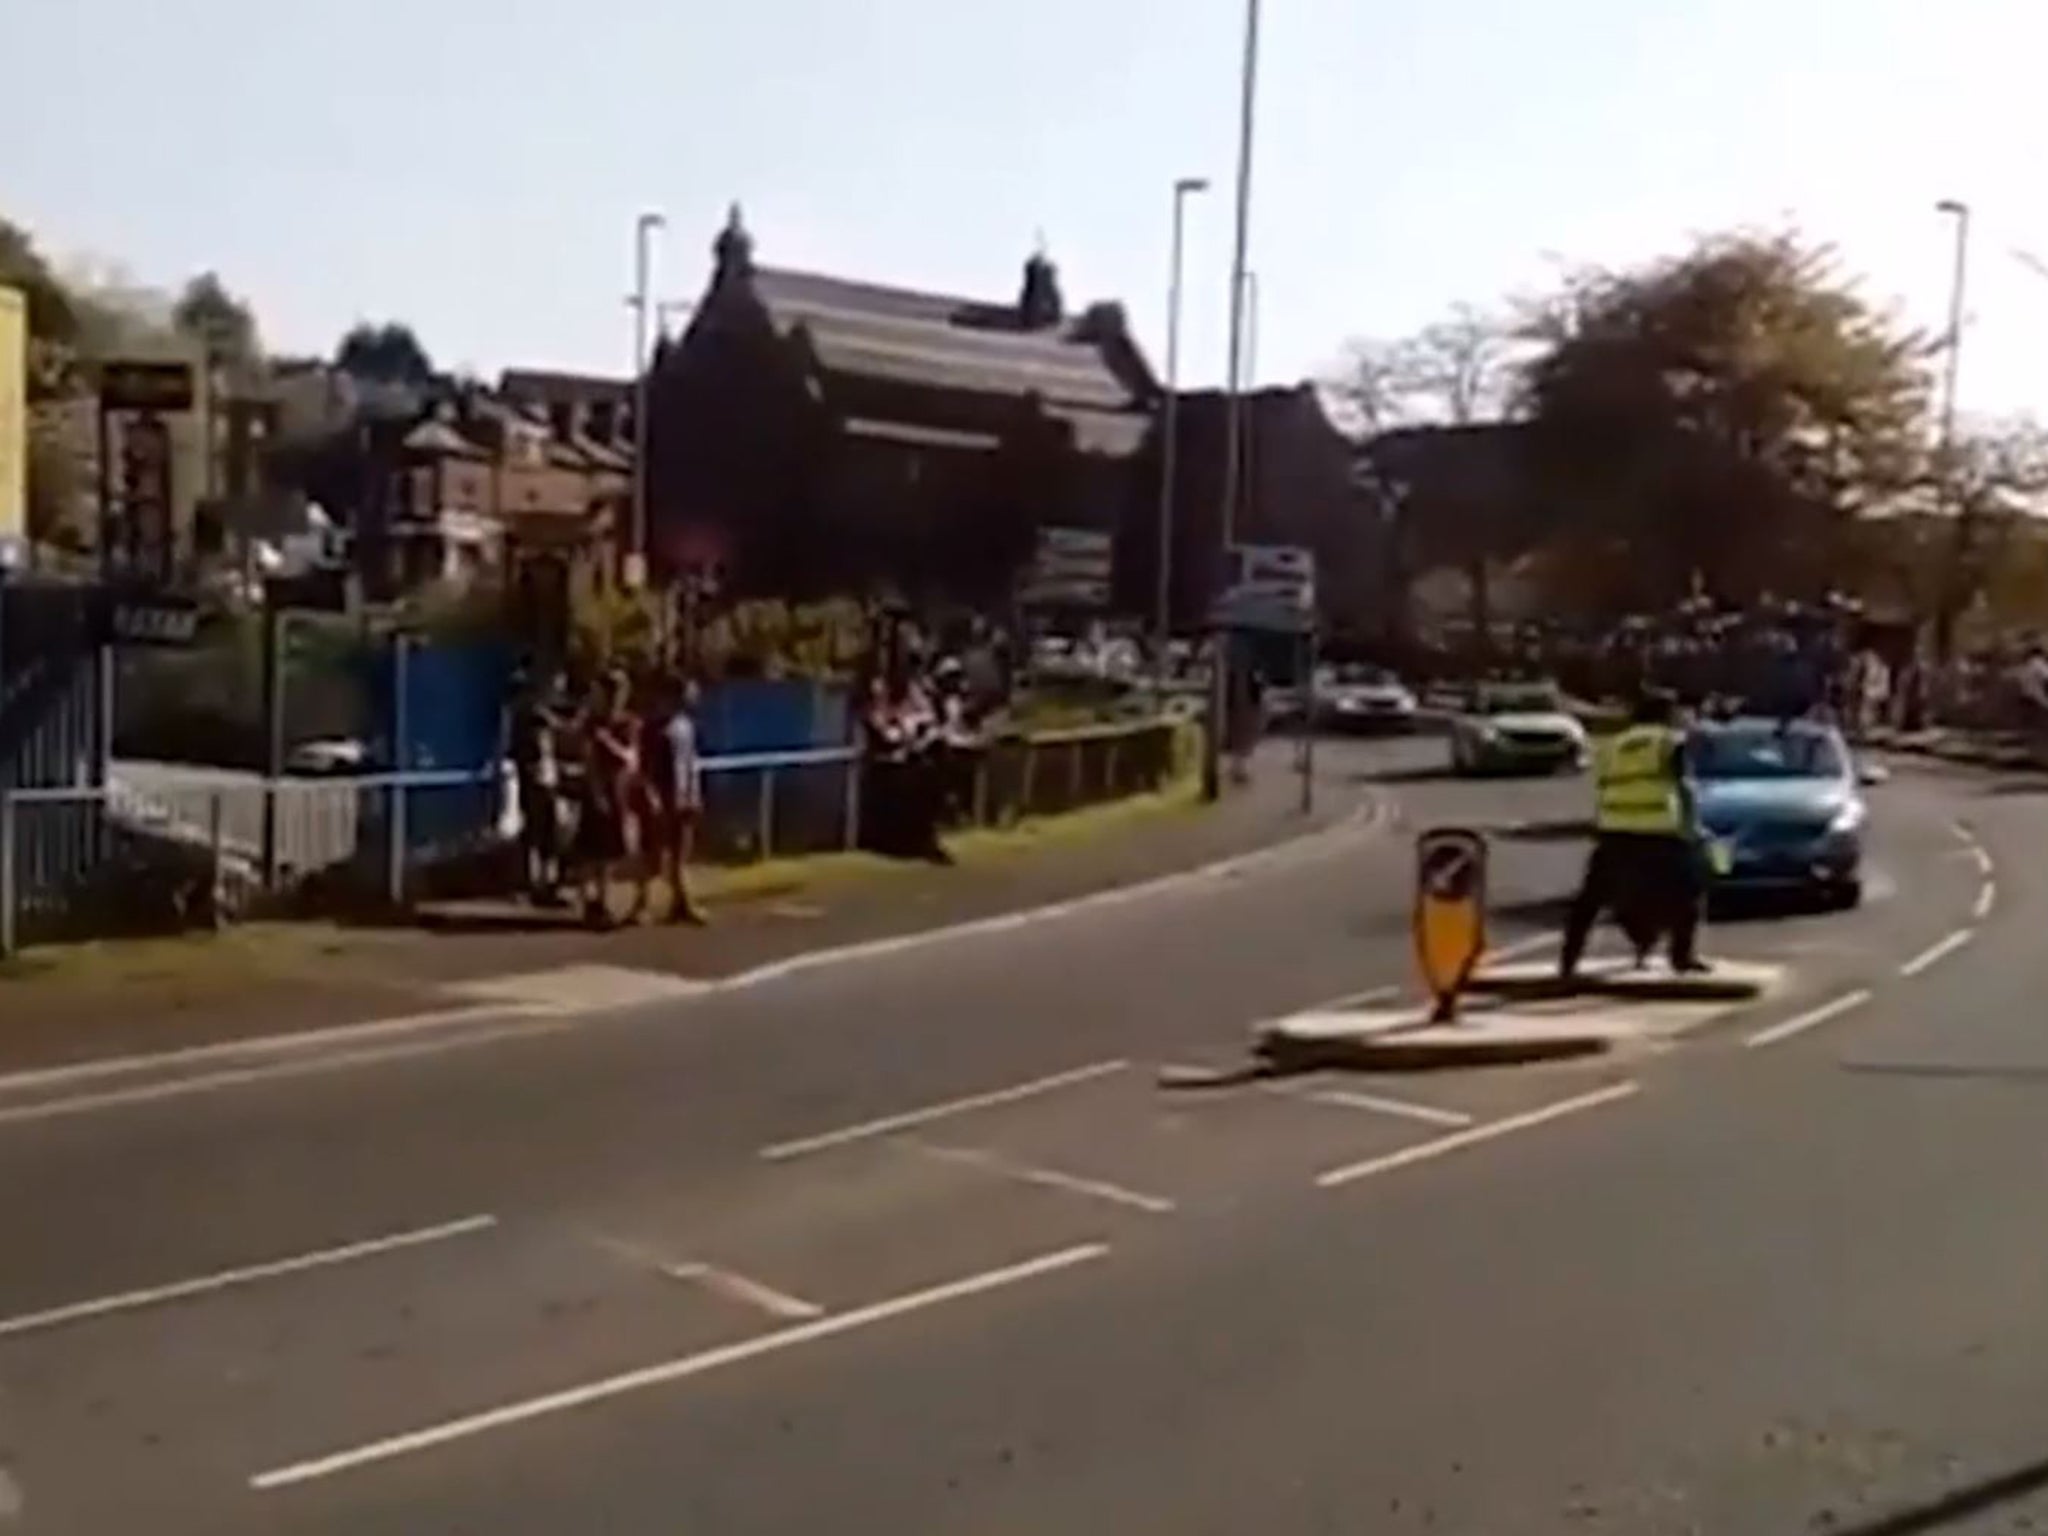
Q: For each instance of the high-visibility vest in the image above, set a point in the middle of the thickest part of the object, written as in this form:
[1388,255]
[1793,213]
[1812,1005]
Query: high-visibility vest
[1638,791]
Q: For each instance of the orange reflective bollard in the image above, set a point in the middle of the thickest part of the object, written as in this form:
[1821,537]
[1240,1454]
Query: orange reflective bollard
[1450,913]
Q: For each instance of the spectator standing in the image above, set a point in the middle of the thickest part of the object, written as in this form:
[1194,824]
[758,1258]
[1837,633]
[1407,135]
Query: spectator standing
[612,785]
[676,781]
[538,721]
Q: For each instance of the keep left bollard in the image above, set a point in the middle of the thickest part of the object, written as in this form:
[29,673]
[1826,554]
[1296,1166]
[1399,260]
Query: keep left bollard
[1450,913]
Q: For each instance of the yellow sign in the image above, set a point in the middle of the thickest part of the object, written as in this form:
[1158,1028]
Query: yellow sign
[1450,912]
[13,414]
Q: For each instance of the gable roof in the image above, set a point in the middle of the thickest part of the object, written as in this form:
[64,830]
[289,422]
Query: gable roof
[547,386]
[900,335]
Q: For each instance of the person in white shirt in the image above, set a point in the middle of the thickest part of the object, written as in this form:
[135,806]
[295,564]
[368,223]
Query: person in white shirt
[676,775]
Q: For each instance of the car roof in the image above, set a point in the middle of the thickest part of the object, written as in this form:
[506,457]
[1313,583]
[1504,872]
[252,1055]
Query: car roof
[1758,724]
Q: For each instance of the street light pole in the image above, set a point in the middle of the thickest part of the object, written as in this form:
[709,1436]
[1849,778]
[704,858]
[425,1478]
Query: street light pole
[1169,447]
[1212,759]
[644,229]
[1951,596]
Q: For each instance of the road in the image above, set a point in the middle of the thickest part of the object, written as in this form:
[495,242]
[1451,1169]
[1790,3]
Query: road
[917,1241]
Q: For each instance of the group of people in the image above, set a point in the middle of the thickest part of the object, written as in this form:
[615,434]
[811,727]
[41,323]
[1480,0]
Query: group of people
[609,788]
[921,732]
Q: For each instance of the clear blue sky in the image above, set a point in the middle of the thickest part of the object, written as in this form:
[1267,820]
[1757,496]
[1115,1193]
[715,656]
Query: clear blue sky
[474,166]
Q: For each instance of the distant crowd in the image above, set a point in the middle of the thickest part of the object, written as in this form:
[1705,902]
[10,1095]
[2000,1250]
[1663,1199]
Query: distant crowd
[609,777]
[609,787]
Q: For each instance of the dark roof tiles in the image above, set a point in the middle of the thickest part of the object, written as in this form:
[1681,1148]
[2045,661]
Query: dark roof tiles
[865,330]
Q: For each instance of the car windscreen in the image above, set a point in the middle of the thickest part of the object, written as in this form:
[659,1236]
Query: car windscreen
[1519,701]
[1764,752]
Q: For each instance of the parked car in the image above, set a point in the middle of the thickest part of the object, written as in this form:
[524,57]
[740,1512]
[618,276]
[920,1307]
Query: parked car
[1517,728]
[1782,804]
[324,757]
[1363,699]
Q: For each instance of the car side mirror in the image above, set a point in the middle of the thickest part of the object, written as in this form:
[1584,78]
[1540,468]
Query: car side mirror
[1870,775]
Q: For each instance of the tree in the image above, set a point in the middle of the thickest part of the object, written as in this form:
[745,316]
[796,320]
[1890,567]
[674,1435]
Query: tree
[1719,418]
[221,323]
[384,354]
[53,320]
[1456,372]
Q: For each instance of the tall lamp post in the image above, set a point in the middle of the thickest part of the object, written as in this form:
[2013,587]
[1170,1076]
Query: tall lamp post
[1219,691]
[1169,449]
[1952,588]
[644,230]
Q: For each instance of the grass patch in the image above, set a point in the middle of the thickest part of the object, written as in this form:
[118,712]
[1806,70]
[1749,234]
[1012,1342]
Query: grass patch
[179,965]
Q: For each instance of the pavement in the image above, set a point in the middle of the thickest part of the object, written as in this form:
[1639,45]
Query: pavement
[111,1001]
[930,1236]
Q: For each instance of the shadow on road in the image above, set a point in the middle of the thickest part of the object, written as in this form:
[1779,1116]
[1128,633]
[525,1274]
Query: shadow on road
[1407,773]
[2009,787]
[1955,1070]
[1574,830]
[1953,1508]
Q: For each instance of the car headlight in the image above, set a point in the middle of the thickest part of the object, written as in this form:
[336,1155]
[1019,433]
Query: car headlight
[1847,820]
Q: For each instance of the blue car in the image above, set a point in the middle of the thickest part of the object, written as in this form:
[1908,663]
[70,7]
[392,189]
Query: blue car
[1781,805]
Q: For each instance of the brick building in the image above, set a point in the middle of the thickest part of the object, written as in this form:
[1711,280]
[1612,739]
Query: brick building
[811,434]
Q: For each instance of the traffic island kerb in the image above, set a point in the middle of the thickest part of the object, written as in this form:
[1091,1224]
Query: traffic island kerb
[1410,1042]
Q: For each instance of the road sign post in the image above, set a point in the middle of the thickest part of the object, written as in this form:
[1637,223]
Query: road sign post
[1450,913]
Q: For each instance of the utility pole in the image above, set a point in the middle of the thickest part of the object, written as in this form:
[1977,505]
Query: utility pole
[644,230]
[1219,667]
[1952,587]
[1169,449]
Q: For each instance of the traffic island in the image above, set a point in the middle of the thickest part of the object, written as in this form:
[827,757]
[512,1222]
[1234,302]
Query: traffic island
[1727,984]
[1513,1016]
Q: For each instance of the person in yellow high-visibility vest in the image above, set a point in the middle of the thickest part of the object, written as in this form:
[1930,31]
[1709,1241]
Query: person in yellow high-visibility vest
[1643,841]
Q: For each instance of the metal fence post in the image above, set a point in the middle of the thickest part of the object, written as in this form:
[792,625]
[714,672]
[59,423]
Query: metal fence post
[1026,778]
[216,853]
[7,893]
[1076,772]
[273,732]
[853,772]
[764,830]
[394,841]
[401,764]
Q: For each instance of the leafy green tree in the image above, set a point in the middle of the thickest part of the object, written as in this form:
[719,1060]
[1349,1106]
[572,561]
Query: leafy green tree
[1721,417]
[222,324]
[384,354]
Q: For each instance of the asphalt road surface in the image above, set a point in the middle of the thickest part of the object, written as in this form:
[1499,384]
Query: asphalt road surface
[917,1241]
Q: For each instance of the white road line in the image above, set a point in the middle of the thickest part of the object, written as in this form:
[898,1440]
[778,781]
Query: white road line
[1987,898]
[749,1292]
[261,1047]
[1362,819]
[1528,944]
[1935,953]
[227,1279]
[212,1082]
[915,1117]
[1813,1018]
[674,1370]
[1344,1098]
[1981,856]
[1457,1141]
[1050,1178]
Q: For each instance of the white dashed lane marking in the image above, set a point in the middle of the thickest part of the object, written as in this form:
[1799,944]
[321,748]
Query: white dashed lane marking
[1936,952]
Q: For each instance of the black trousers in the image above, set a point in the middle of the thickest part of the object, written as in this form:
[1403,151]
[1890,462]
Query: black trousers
[1651,878]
